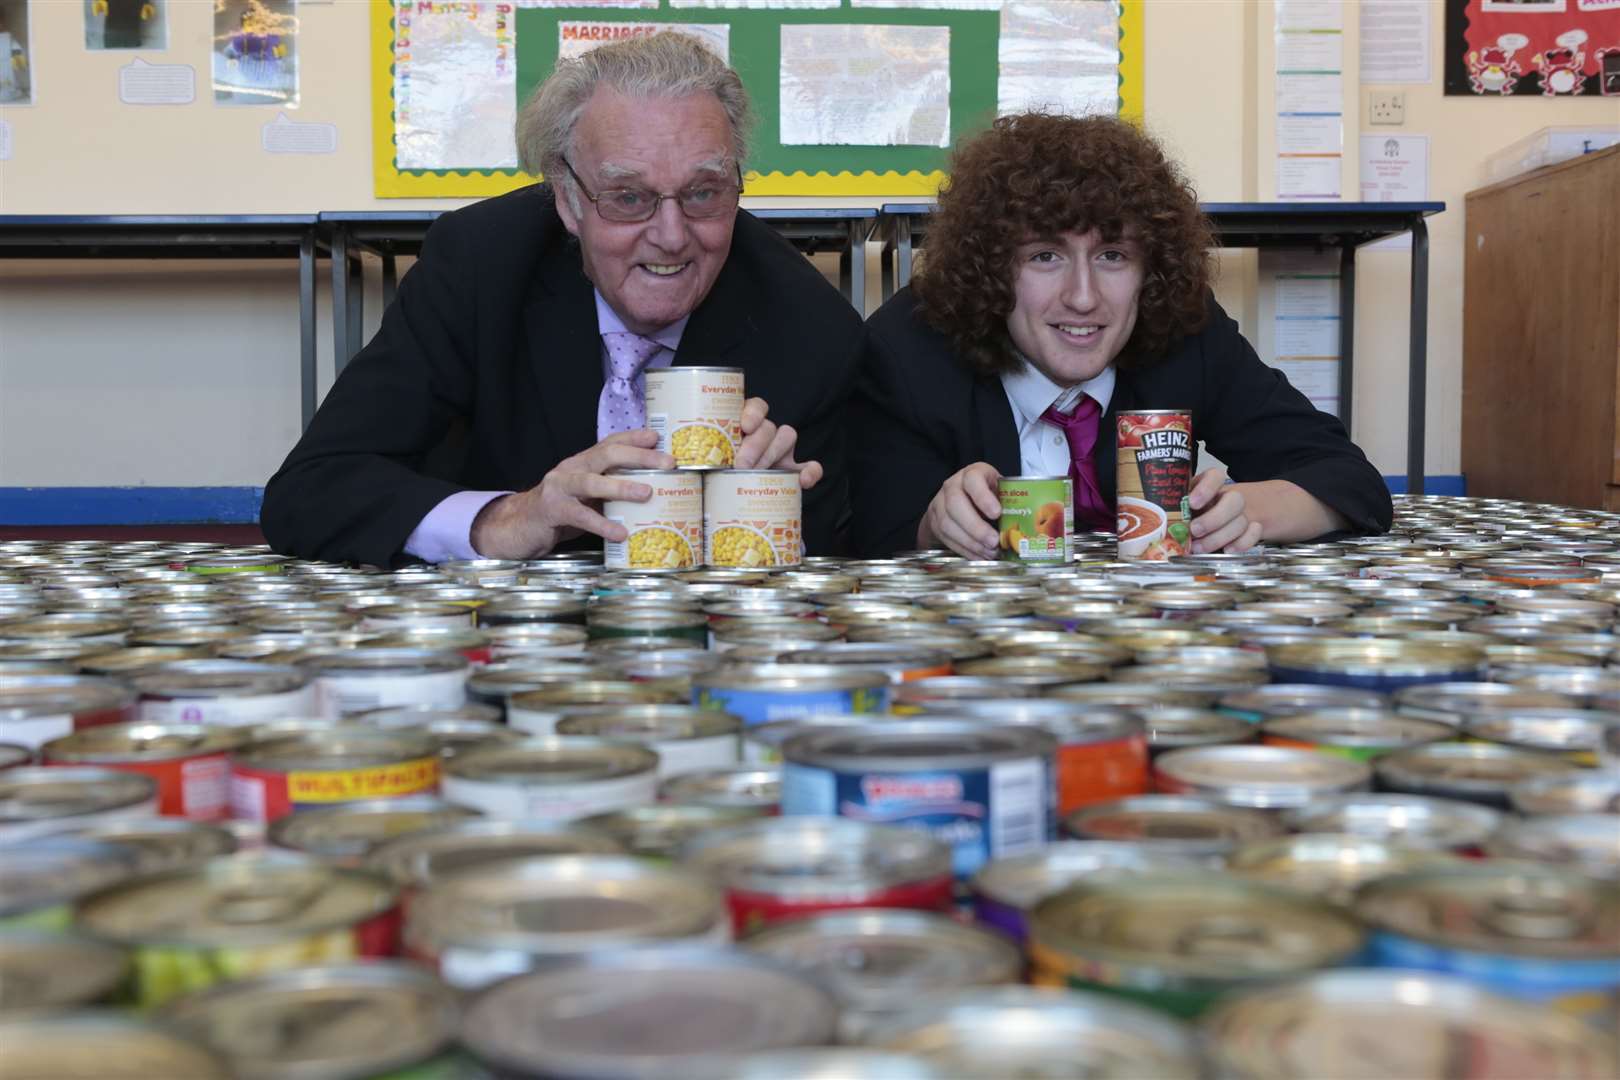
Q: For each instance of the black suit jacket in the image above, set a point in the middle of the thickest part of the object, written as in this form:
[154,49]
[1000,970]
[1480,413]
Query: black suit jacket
[493,340]
[920,414]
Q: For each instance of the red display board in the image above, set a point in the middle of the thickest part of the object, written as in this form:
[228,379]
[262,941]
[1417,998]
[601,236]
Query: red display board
[1547,47]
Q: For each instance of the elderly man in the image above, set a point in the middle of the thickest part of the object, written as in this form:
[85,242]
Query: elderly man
[523,332]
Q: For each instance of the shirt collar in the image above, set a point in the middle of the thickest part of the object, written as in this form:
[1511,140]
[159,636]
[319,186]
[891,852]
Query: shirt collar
[608,322]
[1032,393]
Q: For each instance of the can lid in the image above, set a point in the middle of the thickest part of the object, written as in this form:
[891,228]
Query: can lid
[917,744]
[1187,826]
[420,858]
[1070,724]
[659,831]
[39,970]
[1369,729]
[322,1022]
[35,695]
[161,844]
[1173,727]
[1378,657]
[218,678]
[339,746]
[354,830]
[1552,730]
[114,744]
[41,793]
[551,760]
[649,723]
[880,958]
[645,1013]
[789,677]
[382,663]
[1456,702]
[235,900]
[826,1063]
[1330,865]
[1483,769]
[1586,842]
[1391,1023]
[803,857]
[54,869]
[1025,1031]
[1419,821]
[1021,880]
[105,1043]
[1263,777]
[1589,791]
[742,786]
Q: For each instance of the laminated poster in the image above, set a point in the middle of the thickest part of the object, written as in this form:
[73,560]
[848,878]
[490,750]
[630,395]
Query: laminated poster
[255,52]
[1299,291]
[866,85]
[575,39]
[126,24]
[16,67]
[1060,57]
[1545,48]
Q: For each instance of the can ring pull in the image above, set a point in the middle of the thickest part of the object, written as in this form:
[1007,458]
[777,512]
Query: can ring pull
[1221,936]
[270,902]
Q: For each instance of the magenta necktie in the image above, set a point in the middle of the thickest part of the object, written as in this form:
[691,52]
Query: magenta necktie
[1080,428]
[623,404]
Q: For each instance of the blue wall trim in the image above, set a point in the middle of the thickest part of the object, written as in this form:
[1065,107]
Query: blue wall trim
[1432,485]
[129,505]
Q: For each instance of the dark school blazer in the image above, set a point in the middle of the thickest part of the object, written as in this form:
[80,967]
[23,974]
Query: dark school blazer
[920,413]
[486,371]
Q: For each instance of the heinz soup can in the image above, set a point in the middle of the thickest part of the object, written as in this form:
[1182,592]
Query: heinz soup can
[1155,456]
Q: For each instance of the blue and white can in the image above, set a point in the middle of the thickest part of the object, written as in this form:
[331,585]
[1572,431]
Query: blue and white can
[761,693]
[983,789]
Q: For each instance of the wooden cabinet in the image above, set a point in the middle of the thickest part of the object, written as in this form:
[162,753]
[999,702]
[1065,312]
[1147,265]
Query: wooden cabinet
[1541,335]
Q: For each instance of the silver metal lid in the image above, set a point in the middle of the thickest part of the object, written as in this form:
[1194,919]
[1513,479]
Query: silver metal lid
[53,971]
[789,677]
[1330,865]
[743,786]
[660,830]
[384,663]
[1357,729]
[648,723]
[104,1044]
[1419,821]
[1182,825]
[1457,702]
[218,679]
[645,1013]
[917,744]
[1589,791]
[1261,777]
[835,858]
[1572,731]
[1021,880]
[1473,770]
[823,1063]
[549,761]
[52,870]
[1409,1024]
[159,844]
[34,794]
[419,859]
[322,1023]
[351,831]
[1589,843]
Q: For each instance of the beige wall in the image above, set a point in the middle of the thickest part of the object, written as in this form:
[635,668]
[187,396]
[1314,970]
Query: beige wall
[155,374]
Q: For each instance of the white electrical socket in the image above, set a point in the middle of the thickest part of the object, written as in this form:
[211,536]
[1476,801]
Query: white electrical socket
[1386,107]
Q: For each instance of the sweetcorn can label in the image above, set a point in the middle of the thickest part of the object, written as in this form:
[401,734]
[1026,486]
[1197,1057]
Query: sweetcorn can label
[1037,518]
[265,795]
[666,531]
[697,414]
[1155,454]
[752,518]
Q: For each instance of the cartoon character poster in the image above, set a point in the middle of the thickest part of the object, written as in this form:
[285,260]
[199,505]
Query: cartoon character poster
[255,52]
[1550,48]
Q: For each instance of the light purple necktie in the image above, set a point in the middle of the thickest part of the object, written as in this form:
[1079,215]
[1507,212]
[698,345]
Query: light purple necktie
[623,405]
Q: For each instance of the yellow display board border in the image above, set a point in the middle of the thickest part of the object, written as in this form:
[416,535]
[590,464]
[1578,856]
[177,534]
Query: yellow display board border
[392,183]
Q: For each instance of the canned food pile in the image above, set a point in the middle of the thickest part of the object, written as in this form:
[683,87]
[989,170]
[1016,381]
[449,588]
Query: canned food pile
[1342,809]
[704,511]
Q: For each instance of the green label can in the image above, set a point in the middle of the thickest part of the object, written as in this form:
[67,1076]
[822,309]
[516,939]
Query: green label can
[1037,518]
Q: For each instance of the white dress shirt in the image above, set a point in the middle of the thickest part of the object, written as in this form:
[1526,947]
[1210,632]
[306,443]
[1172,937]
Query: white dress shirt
[1042,448]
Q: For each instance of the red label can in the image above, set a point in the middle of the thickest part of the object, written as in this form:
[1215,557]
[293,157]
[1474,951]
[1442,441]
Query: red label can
[1155,454]
[188,762]
[270,780]
[752,910]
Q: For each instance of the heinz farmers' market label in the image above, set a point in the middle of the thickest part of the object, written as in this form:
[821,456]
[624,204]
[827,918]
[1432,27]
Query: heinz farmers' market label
[1037,517]
[1155,458]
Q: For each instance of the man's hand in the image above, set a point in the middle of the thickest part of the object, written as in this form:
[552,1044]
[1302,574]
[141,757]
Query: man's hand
[963,514]
[766,446]
[566,501]
[1220,521]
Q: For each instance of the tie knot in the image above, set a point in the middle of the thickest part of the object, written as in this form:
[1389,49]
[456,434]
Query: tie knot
[628,353]
[1085,412]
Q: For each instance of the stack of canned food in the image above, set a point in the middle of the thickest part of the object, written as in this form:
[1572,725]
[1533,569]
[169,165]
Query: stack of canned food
[1345,809]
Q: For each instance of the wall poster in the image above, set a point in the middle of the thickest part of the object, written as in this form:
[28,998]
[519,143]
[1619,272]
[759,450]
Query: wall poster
[1550,48]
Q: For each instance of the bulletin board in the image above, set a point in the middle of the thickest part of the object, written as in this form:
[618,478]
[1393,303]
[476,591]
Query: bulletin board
[447,79]
[1549,48]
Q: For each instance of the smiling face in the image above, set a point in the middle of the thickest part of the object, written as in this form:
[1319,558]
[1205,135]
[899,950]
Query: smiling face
[1074,303]
[654,272]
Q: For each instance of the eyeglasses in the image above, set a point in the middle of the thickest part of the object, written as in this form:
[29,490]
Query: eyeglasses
[701,201]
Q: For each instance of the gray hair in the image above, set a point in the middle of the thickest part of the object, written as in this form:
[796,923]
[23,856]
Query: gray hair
[667,64]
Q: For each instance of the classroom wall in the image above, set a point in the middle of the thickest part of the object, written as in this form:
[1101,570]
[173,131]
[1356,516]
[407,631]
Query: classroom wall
[121,373]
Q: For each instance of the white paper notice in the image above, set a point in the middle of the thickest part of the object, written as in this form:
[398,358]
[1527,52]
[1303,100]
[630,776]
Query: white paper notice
[866,85]
[1309,134]
[1394,168]
[1062,57]
[575,39]
[1312,53]
[1395,41]
[1310,15]
[1299,311]
[5,140]
[285,136]
[756,5]
[1308,178]
[140,83]
[1310,94]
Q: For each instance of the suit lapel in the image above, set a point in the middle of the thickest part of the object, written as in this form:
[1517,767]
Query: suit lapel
[723,321]
[565,350]
[998,431]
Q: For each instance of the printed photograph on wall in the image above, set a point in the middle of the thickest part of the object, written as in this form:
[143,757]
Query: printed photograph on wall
[1547,48]
[126,24]
[255,59]
[16,74]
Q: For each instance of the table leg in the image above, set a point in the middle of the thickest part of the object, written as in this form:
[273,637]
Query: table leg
[340,299]
[1347,329]
[390,278]
[902,252]
[1418,357]
[306,326]
[357,302]
[857,266]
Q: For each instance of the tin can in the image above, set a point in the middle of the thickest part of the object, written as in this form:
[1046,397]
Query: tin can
[782,868]
[259,563]
[496,684]
[901,663]
[1037,519]
[46,874]
[34,709]
[45,971]
[941,693]
[1330,865]
[1457,703]
[1358,734]
[86,1042]
[502,919]
[649,1013]
[273,778]
[752,786]
[345,834]
[1156,452]
[1173,824]
[534,639]
[1573,734]
[1588,843]
[1044,672]
[417,860]
[125,662]
[1177,941]
[1374,663]
[843,1062]
[665,532]
[416,716]
[361,679]
[188,762]
[759,693]
[985,790]
[1475,772]
[904,952]
[237,916]
[1289,699]
[1177,728]
[660,831]
[1595,791]
[697,414]
[380,1019]
[751,518]
[159,844]
[660,626]
[13,755]
[1133,695]
[1018,1030]
[1409,821]
[686,738]
[552,779]
[536,712]
[1394,1023]
[1004,890]
[1526,931]
[38,800]
[1259,777]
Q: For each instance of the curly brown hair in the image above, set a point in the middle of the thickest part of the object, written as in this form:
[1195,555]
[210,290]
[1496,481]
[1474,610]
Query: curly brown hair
[1036,175]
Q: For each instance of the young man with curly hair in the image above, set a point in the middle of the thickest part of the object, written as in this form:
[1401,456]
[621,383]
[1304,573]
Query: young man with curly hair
[1067,279]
